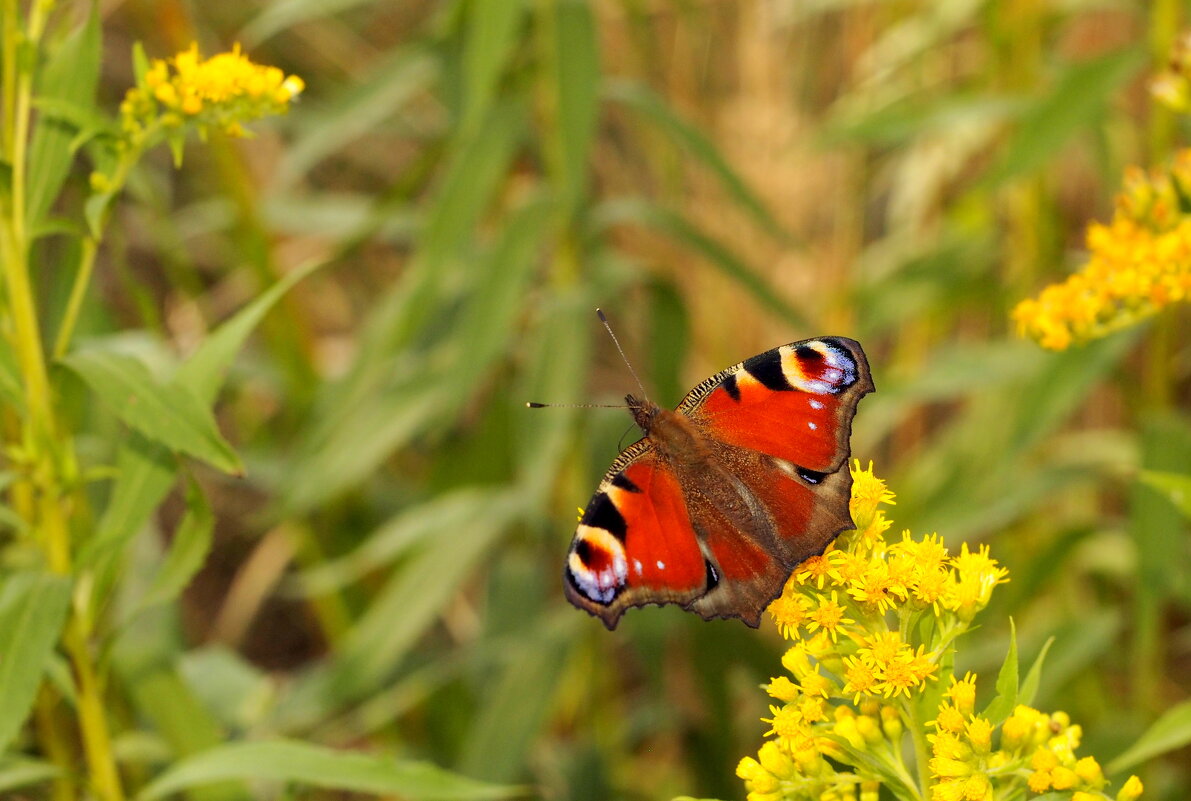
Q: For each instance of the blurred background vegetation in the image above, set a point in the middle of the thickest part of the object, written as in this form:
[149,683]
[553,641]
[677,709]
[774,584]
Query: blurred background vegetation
[721,178]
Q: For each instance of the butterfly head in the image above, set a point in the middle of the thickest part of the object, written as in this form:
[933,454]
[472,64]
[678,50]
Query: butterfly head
[643,410]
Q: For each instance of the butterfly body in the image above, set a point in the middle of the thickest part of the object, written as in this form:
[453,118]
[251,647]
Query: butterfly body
[723,496]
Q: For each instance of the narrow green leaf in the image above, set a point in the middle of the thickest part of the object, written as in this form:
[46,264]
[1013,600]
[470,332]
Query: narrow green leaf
[187,551]
[457,510]
[165,412]
[69,76]
[316,766]
[511,716]
[21,772]
[1029,687]
[490,38]
[32,613]
[283,14]
[410,601]
[644,212]
[575,65]
[642,100]
[145,472]
[1176,487]
[203,373]
[1007,684]
[1169,732]
[352,113]
[1075,104]
[12,390]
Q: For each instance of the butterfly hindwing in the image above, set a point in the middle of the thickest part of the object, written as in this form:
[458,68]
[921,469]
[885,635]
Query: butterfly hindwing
[634,544]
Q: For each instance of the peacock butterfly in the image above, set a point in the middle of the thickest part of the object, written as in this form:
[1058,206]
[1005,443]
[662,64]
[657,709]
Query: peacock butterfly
[715,506]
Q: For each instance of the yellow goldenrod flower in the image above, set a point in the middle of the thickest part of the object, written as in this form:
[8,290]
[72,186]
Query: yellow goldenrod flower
[838,727]
[789,613]
[220,93]
[962,693]
[1138,264]
[860,677]
[814,570]
[829,615]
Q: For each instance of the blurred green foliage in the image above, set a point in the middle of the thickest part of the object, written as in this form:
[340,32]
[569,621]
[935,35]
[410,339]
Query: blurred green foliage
[473,178]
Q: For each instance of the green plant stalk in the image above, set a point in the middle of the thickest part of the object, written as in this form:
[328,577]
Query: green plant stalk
[78,292]
[53,739]
[917,729]
[43,449]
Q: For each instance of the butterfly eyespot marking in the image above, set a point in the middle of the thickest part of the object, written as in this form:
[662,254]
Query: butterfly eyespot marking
[596,567]
[810,476]
[818,367]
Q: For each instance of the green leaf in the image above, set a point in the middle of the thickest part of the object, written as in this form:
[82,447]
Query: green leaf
[145,472]
[21,772]
[203,373]
[187,552]
[33,610]
[1007,687]
[673,224]
[511,716]
[1076,103]
[409,602]
[491,38]
[316,766]
[1169,732]
[368,103]
[1176,487]
[574,63]
[69,77]
[166,412]
[1029,687]
[642,100]
[455,510]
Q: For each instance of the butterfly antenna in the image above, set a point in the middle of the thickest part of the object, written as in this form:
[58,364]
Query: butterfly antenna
[627,363]
[536,405]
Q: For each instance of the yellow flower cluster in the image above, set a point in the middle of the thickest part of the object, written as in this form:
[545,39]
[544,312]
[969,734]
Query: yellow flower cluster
[1138,264]
[873,626]
[218,93]
[964,763]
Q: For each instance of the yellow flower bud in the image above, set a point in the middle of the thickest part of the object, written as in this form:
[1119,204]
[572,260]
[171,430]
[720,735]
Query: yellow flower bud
[1039,781]
[1130,790]
[979,733]
[775,760]
[869,729]
[848,729]
[1063,778]
[782,689]
[891,723]
[1088,770]
[1043,760]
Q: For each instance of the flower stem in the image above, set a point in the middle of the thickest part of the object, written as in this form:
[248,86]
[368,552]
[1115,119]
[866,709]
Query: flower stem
[46,453]
[917,729]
